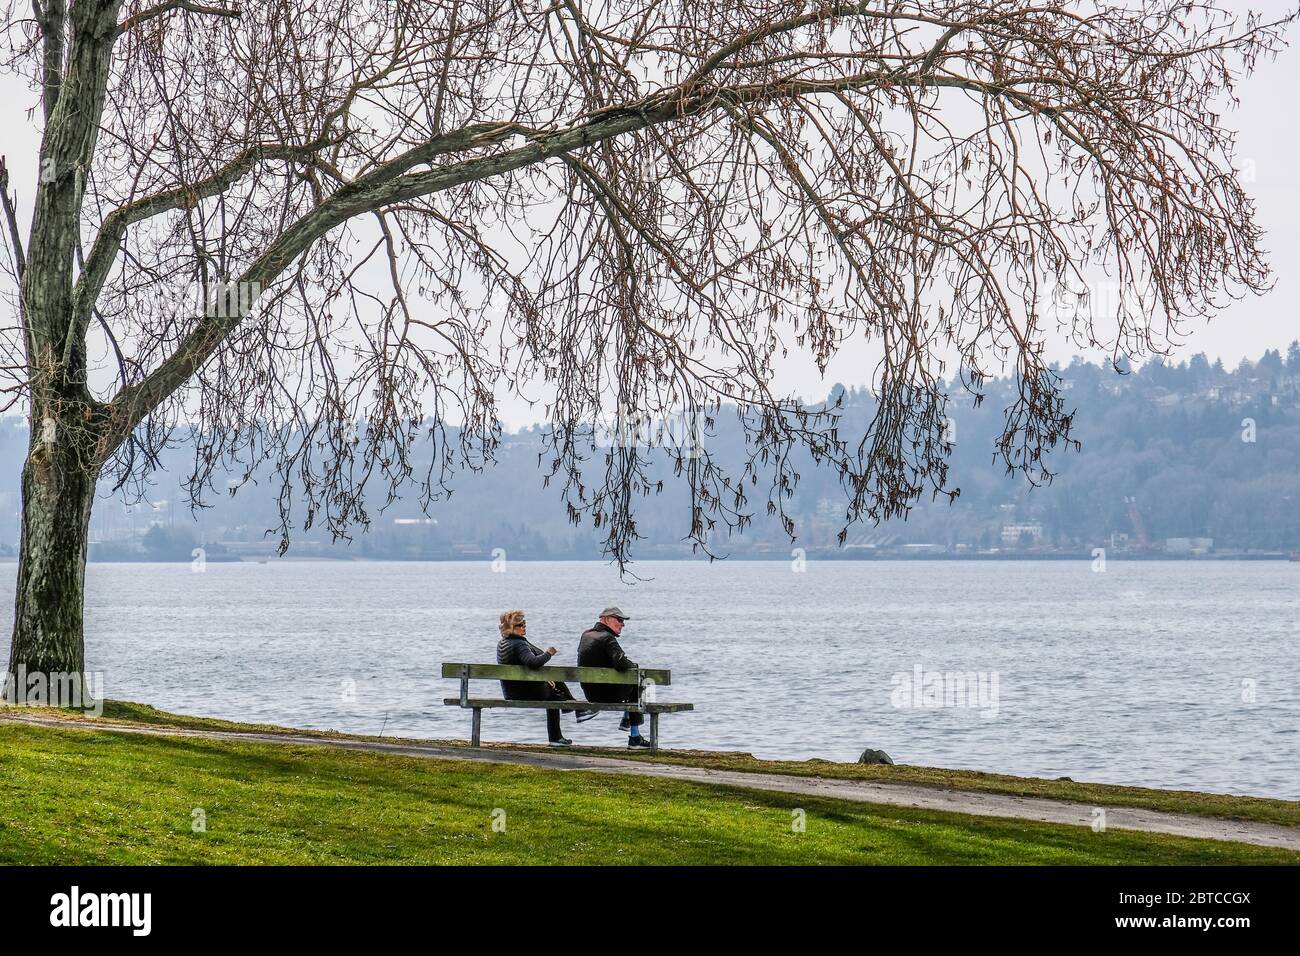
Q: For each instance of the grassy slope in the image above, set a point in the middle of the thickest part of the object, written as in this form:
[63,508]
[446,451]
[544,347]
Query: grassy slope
[76,796]
[1264,810]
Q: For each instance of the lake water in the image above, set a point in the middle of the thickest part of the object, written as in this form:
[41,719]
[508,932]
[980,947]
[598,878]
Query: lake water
[1166,674]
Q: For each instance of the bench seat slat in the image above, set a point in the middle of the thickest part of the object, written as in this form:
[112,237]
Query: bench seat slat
[489,702]
[581,675]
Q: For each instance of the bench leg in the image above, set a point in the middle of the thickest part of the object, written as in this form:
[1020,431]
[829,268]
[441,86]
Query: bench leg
[654,733]
[477,726]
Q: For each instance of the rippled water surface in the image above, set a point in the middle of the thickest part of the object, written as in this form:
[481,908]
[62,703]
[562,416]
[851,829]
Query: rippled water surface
[1174,674]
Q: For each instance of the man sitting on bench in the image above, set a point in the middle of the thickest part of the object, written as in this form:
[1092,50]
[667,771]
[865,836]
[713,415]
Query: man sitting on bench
[514,648]
[599,647]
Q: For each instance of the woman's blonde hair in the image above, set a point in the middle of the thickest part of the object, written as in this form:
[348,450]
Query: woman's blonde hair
[510,621]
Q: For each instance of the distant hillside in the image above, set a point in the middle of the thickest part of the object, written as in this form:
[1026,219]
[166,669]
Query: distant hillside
[1176,459]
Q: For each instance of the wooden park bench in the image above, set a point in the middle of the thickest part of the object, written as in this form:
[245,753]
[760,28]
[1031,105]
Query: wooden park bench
[645,679]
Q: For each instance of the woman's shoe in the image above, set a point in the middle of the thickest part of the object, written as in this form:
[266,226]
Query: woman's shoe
[562,742]
[635,742]
[582,715]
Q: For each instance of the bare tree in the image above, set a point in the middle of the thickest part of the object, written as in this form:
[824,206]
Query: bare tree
[314,234]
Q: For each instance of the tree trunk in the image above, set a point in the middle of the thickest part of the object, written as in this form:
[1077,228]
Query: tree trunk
[58,491]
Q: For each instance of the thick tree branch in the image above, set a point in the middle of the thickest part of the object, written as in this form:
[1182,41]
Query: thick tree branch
[104,252]
[108,243]
[166,7]
[11,220]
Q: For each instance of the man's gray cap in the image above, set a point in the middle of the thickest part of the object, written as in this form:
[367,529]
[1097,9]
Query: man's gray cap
[615,612]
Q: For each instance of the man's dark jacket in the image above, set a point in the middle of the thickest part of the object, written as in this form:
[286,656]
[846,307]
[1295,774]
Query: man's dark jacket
[599,647]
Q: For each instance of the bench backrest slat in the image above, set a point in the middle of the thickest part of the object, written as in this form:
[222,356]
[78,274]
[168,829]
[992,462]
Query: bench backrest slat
[582,675]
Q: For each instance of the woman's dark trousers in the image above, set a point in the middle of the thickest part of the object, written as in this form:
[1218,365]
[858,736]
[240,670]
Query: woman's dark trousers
[556,691]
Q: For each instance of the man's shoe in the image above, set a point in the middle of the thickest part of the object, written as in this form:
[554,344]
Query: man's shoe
[562,742]
[634,742]
[625,724]
[582,715]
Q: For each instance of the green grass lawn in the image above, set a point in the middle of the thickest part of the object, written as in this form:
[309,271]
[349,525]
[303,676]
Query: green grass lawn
[1225,806]
[81,796]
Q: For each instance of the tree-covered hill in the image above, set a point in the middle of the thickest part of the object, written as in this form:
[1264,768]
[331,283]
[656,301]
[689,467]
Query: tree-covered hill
[1194,452]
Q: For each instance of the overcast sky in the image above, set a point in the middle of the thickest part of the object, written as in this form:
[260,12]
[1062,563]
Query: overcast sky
[1269,126]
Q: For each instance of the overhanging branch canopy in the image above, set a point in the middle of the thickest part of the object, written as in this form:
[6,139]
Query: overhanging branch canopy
[619,205]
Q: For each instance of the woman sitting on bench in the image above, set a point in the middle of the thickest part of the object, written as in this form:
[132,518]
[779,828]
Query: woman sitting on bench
[514,648]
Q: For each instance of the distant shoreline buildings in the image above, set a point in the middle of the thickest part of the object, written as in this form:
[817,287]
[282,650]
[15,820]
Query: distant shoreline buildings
[1188,461]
